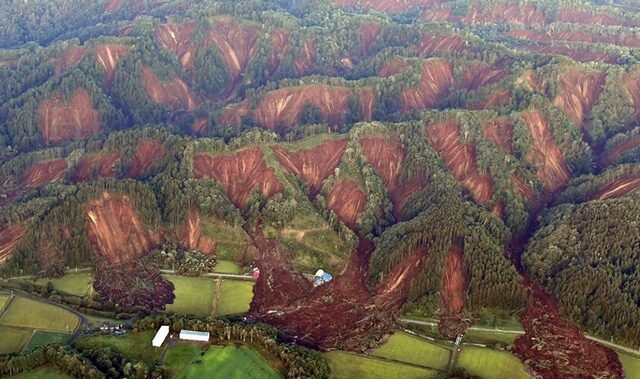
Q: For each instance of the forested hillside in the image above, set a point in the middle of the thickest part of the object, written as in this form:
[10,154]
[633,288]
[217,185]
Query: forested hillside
[458,158]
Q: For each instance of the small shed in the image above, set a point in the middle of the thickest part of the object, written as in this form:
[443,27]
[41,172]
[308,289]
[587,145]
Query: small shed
[161,335]
[255,273]
[192,335]
[321,277]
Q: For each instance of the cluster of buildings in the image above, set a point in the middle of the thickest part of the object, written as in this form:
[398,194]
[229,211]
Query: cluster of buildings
[321,277]
[185,335]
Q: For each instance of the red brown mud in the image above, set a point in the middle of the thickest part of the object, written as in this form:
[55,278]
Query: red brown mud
[44,172]
[494,100]
[283,107]
[394,67]
[190,234]
[101,165]
[523,188]
[500,132]
[552,170]
[433,43]
[631,84]
[459,157]
[8,63]
[10,236]
[234,113]
[553,348]
[578,54]
[199,127]
[392,292]
[475,76]
[347,201]
[304,63]
[580,91]
[629,144]
[312,165]
[73,119]
[618,188]
[179,39]
[108,56]
[174,94]
[367,103]
[68,59]
[434,86]
[585,17]
[437,15]
[368,36]
[386,157]
[112,5]
[280,47]
[147,153]
[115,229]
[239,173]
[453,283]
[503,12]
[389,6]
[498,210]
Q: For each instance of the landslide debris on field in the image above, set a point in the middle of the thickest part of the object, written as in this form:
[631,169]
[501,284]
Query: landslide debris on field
[435,82]
[434,43]
[190,234]
[305,62]
[496,99]
[368,36]
[579,93]
[200,126]
[618,188]
[280,48]
[394,67]
[504,13]
[577,16]
[10,236]
[44,172]
[347,201]
[62,120]
[367,103]
[95,166]
[147,154]
[615,153]
[500,132]
[478,75]
[68,59]
[108,56]
[174,94]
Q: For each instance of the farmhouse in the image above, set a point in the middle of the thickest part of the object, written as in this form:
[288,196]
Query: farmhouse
[162,334]
[321,277]
[192,335]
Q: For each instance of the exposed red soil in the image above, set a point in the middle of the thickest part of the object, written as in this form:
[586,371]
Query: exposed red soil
[503,12]
[523,188]
[554,348]
[389,6]
[453,284]
[367,103]
[68,59]
[10,236]
[585,17]
[494,100]
[305,63]
[578,54]
[108,57]
[347,201]
[394,67]
[199,127]
[475,76]
[175,94]
[632,84]
[459,157]
[629,144]
[580,91]
[435,83]
[239,173]
[190,234]
[386,157]
[8,63]
[280,47]
[233,114]
[63,121]
[530,80]
[112,5]
[552,169]
[437,15]
[115,229]
[433,43]
[391,294]
[44,172]
[618,188]
[312,165]
[147,153]
[500,132]
[282,107]
[101,165]
[368,36]
[498,210]
[179,39]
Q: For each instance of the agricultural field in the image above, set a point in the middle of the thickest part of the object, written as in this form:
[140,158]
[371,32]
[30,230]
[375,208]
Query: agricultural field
[41,338]
[179,355]
[235,297]
[406,348]
[13,339]
[228,267]
[42,372]
[485,337]
[346,366]
[136,346]
[33,314]
[228,362]
[4,299]
[631,365]
[194,295]
[491,364]
[72,284]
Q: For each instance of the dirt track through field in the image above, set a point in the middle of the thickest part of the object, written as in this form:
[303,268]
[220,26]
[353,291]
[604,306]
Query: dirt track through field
[216,298]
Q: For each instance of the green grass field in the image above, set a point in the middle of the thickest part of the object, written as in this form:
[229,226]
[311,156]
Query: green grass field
[230,241]
[403,347]
[228,362]
[227,267]
[631,365]
[4,299]
[179,355]
[42,372]
[33,314]
[491,364]
[135,346]
[348,366]
[235,297]
[12,340]
[41,338]
[479,336]
[72,284]
[193,295]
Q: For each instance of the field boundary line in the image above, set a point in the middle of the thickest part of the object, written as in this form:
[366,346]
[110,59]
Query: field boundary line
[216,297]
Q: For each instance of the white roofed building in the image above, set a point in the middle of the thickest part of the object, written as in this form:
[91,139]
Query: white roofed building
[161,335]
[192,335]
